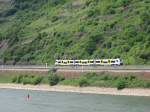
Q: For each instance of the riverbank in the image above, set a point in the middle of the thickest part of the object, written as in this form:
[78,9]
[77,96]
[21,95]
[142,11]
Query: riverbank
[90,90]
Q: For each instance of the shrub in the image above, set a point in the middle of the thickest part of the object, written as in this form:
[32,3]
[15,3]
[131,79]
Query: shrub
[124,2]
[52,70]
[32,80]
[121,84]
[27,81]
[54,18]
[131,77]
[115,78]
[56,2]
[37,80]
[89,2]
[147,85]
[83,83]
[14,79]
[106,77]
[19,79]
[53,79]
[145,55]
[110,10]
[10,12]
[93,12]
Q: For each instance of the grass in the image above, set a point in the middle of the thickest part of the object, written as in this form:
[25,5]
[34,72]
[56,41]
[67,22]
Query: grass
[6,78]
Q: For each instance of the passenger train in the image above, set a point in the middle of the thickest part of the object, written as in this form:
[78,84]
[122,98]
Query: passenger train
[98,62]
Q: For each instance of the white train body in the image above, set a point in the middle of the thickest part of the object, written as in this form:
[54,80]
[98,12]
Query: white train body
[98,62]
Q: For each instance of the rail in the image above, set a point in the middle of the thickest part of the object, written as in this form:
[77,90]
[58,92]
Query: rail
[127,67]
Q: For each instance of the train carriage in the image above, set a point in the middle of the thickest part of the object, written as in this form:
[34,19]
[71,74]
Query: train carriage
[98,62]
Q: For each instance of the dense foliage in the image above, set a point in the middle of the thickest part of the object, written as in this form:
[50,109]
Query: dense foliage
[39,31]
[27,79]
[54,78]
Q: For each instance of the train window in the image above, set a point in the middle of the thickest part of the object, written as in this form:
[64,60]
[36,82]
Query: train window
[59,61]
[76,62]
[112,61]
[91,61]
[71,61]
[84,62]
[97,61]
[105,62]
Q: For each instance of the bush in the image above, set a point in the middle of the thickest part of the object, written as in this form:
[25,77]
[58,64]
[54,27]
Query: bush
[14,79]
[110,10]
[131,77]
[56,2]
[53,79]
[37,80]
[89,2]
[27,79]
[32,80]
[19,79]
[93,12]
[52,70]
[106,77]
[147,85]
[83,83]
[9,12]
[121,84]
[124,2]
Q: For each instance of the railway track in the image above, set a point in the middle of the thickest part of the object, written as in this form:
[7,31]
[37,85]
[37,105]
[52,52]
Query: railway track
[127,68]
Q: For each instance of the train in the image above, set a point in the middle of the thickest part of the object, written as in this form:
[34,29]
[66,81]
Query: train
[89,62]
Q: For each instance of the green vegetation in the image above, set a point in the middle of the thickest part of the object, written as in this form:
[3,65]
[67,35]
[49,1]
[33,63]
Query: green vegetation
[54,78]
[23,77]
[6,78]
[121,84]
[27,79]
[105,80]
[39,31]
[84,80]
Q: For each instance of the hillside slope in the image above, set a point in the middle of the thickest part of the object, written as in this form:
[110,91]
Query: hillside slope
[39,31]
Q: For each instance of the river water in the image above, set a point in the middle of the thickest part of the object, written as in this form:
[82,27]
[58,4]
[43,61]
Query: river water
[16,101]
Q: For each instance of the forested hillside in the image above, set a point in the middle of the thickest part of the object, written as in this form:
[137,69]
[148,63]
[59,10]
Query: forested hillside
[39,31]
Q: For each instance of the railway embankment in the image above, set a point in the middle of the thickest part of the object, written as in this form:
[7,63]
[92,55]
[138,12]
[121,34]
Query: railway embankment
[73,71]
[102,79]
